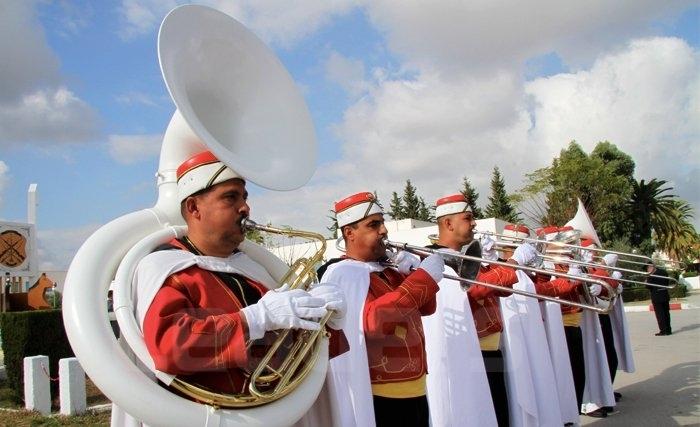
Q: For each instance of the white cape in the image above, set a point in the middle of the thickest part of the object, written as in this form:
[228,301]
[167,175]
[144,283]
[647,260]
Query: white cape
[457,387]
[598,391]
[348,374]
[558,351]
[623,347]
[529,372]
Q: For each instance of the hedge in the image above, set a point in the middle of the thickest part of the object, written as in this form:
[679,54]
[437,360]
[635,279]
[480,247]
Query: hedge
[641,293]
[32,333]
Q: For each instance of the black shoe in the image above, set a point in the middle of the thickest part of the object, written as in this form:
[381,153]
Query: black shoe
[660,334]
[618,396]
[598,413]
[608,409]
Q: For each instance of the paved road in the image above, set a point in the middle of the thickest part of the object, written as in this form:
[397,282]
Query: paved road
[665,389]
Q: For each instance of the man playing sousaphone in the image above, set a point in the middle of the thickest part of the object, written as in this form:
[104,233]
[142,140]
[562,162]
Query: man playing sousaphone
[201,300]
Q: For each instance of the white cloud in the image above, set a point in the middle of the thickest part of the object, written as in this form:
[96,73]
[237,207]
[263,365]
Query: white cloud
[47,117]
[143,16]
[27,59]
[347,72]
[276,21]
[34,106]
[57,247]
[136,98]
[643,98]
[4,178]
[129,149]
[482,34]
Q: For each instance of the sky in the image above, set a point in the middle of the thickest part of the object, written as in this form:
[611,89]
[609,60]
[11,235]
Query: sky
[427,91]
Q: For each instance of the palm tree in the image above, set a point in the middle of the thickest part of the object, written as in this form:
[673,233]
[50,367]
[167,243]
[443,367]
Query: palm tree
[677,237]
[650,208]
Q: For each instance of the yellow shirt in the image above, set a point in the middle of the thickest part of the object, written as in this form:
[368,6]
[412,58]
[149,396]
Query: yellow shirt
[490,342]
[572,319]
[400,390]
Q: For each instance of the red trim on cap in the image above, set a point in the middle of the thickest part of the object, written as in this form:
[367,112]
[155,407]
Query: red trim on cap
[353,200]
[566,228]
[459,197]
[547,230]
[203,158]
[519,228]
[587,242]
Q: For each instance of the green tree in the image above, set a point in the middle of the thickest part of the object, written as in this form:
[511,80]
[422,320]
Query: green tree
[425,212]
[333,228]
[650,206]
[676,236]
[411,201]
[472,196]
[602,180]
[396,209]
[499,203]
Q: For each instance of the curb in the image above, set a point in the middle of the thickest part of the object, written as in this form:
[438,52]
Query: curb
[672,306]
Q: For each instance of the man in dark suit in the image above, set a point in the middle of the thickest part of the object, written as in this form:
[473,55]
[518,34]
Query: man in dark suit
[660,298]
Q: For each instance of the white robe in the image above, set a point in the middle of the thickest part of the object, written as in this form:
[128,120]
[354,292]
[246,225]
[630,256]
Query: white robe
[598,390]
[623,347]
[530,376]
[457,386]
[559,352]
[348,374]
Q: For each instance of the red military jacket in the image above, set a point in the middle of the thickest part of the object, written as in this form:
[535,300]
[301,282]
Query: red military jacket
[559,287]
[193,329]
[392,324]
[484,301]
[603,274]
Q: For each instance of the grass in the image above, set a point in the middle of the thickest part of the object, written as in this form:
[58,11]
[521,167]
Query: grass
[12,412]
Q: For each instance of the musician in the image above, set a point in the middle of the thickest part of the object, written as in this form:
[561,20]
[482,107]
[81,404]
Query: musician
[382,378]
[602,272]
[569,290]
[458,385]
[201,300]
[455,229]
[660,298]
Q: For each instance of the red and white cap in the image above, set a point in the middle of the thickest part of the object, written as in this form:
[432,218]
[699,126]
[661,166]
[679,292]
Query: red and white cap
[516,230]
[356,207]
[588,243]
[548,233]
[199,172]
[453,204]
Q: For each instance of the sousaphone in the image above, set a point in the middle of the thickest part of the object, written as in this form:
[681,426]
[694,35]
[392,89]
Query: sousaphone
[235,98]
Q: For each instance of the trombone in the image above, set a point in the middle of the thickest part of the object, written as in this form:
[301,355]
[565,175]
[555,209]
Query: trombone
[573,249]
[566,253]
[419,250]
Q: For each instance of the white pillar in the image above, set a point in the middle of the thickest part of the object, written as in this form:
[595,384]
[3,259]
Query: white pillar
[31,204]
[37,395]
[72,386]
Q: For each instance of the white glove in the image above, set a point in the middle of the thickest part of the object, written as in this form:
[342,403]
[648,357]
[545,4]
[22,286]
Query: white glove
[488,248]
[335,300]
[587,256]
[434,265]
[524,254]
[575,270]
[616,275]
[283,309]
[595,289]
[619,289]
[405,261]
